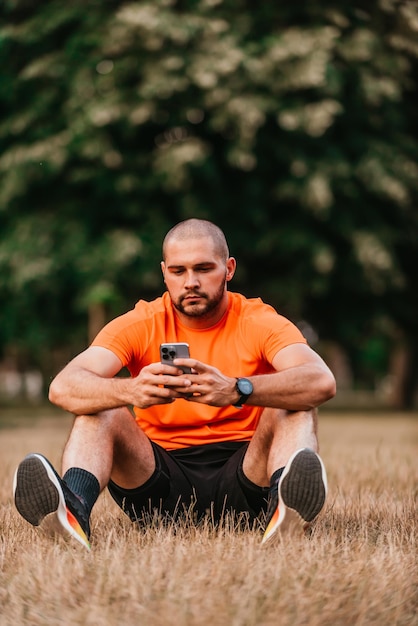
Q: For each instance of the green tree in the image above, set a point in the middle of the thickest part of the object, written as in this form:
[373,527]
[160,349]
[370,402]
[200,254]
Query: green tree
[291,127]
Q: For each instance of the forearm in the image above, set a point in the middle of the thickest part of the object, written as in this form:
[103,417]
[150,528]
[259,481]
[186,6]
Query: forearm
[83,392]
[297,388]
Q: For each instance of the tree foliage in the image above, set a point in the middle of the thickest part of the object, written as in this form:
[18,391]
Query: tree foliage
[292,127]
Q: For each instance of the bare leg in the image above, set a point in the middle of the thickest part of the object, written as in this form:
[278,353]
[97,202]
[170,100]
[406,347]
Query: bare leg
[278,435]
[110,445]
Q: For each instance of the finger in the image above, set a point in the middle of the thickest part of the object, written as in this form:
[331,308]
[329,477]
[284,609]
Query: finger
[198,366]
[153,369]
[173,381]
[171,370]
[162,395]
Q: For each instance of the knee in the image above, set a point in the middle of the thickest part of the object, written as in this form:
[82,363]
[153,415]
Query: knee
[110,419]
[304,414]
[309,416]
[273,416]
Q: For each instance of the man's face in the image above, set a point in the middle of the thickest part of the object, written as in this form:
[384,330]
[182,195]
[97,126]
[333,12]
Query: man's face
[196,277]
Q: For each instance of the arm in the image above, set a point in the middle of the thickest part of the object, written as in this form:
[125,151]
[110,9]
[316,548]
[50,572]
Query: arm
[87,384]
[301,381]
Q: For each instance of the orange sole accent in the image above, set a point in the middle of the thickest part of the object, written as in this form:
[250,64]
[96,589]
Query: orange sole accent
[272,523]
[74,523]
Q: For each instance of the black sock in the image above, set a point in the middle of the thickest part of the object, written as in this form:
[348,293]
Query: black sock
[275,477]
[84,484]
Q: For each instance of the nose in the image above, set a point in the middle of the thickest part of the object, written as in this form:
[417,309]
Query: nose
[191,280]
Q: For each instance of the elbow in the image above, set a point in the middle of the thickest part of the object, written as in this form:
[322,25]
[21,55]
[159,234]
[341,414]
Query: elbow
[56,393]
[327,387]
[53,393]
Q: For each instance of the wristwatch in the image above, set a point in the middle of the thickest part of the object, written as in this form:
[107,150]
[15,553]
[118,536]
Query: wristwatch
[245,389]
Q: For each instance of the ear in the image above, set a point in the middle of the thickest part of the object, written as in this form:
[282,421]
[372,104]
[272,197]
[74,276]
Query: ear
[231,265]
[162,265]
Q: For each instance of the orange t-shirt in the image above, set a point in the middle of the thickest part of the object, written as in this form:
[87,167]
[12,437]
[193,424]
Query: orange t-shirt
[243,343]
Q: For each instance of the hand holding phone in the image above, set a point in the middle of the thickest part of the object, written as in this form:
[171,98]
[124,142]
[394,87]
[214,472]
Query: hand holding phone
[171,351]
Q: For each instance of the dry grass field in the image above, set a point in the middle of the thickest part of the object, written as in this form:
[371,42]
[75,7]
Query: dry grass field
[358,567]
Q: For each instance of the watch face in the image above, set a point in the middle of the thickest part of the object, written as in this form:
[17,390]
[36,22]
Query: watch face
[245,386]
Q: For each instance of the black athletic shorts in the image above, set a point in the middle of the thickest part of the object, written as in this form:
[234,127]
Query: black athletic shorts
[195,482]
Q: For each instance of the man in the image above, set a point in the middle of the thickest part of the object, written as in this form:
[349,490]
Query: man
[236,433]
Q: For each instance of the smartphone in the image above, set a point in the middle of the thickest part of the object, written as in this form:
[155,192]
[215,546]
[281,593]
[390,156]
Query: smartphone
[170,351]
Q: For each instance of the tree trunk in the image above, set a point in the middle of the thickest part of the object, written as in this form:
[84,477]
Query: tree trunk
[97,319]
[404,374]
[410,379]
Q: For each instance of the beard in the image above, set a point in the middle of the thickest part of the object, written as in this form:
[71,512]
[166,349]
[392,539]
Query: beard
[200,309]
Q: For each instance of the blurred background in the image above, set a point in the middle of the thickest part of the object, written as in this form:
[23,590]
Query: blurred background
[293,126]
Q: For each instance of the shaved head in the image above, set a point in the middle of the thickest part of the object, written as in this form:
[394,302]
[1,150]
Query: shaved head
[197,229]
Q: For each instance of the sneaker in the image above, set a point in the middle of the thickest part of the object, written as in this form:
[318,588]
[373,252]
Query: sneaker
[44,500]
[299,497]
